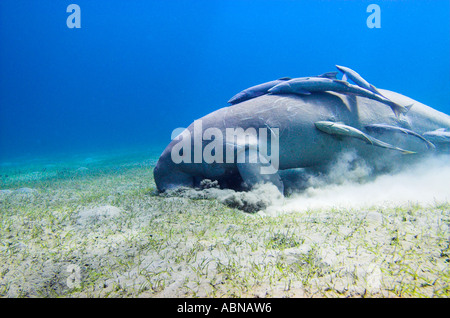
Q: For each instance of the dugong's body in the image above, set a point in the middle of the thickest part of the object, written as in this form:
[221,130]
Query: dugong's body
[301,143]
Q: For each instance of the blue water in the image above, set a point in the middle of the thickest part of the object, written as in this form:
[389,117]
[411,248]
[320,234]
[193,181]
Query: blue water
[136,70]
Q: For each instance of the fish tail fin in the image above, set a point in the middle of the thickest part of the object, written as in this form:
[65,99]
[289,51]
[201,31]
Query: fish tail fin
[408,107]
[399,109]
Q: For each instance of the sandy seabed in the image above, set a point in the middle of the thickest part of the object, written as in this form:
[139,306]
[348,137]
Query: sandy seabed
[94,226]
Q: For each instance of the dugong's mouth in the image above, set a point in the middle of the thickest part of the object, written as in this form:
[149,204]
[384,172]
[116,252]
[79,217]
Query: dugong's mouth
[167,175]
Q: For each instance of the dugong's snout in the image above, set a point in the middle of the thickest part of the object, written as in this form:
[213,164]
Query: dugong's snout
[167,175]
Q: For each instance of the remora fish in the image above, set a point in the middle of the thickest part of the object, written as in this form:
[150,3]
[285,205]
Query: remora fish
[357,79]
[439,135]
[255,91]
[306,85]
[385,127]
[261,89]
[361,82]
[333,128]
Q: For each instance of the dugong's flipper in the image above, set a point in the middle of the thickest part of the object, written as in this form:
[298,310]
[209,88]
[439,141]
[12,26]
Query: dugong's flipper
[253,170]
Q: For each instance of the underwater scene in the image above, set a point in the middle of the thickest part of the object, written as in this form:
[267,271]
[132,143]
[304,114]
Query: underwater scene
[224,149]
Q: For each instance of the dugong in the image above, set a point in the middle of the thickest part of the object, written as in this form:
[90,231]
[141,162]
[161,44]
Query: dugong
[289,124]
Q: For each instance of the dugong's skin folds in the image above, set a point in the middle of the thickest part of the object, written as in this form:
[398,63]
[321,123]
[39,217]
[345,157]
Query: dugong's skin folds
[301,144]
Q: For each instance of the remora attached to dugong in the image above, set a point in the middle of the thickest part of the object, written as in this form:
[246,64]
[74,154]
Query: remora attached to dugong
[339,129]
[308,85]
[361,82]
[255,91]
[262,89]
[384,127]
[357,79]
[440,135]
